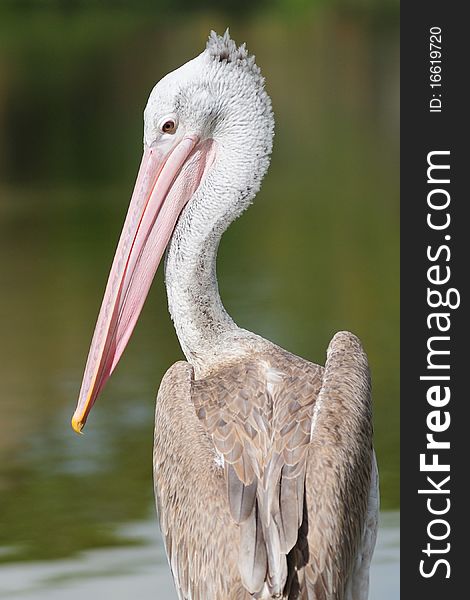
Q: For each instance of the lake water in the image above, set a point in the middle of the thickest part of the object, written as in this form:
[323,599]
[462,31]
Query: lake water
[128,573]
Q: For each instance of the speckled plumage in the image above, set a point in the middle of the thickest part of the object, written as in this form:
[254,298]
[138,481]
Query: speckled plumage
[265,476]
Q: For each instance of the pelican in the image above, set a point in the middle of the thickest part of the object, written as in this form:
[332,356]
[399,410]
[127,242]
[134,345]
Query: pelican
[264,469]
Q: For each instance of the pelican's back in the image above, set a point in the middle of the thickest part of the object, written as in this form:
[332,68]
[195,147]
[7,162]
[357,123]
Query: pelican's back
[263,473]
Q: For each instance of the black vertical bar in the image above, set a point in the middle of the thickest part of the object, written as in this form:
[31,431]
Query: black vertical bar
[438,570]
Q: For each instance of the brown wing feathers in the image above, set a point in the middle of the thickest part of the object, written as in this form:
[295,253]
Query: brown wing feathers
[199,533]
[262,430]
[240,531]
[338,469]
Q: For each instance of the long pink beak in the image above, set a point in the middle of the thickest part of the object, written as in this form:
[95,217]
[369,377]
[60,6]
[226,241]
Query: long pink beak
[165,183]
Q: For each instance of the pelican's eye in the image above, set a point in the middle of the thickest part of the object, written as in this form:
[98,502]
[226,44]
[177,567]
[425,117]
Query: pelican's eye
[168,126]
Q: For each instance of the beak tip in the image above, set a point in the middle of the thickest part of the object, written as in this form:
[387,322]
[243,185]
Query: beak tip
[77,424]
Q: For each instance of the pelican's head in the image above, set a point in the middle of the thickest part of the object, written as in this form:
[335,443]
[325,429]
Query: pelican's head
[207,126]
[219,92]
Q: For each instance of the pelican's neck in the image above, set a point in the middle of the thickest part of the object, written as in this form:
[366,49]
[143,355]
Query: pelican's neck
[240,151]
[200,319]
[207,334]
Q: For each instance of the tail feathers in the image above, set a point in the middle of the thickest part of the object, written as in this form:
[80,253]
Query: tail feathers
[277,563]
[270,531]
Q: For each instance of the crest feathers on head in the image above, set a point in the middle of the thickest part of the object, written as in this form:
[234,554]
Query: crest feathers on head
[223,49]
